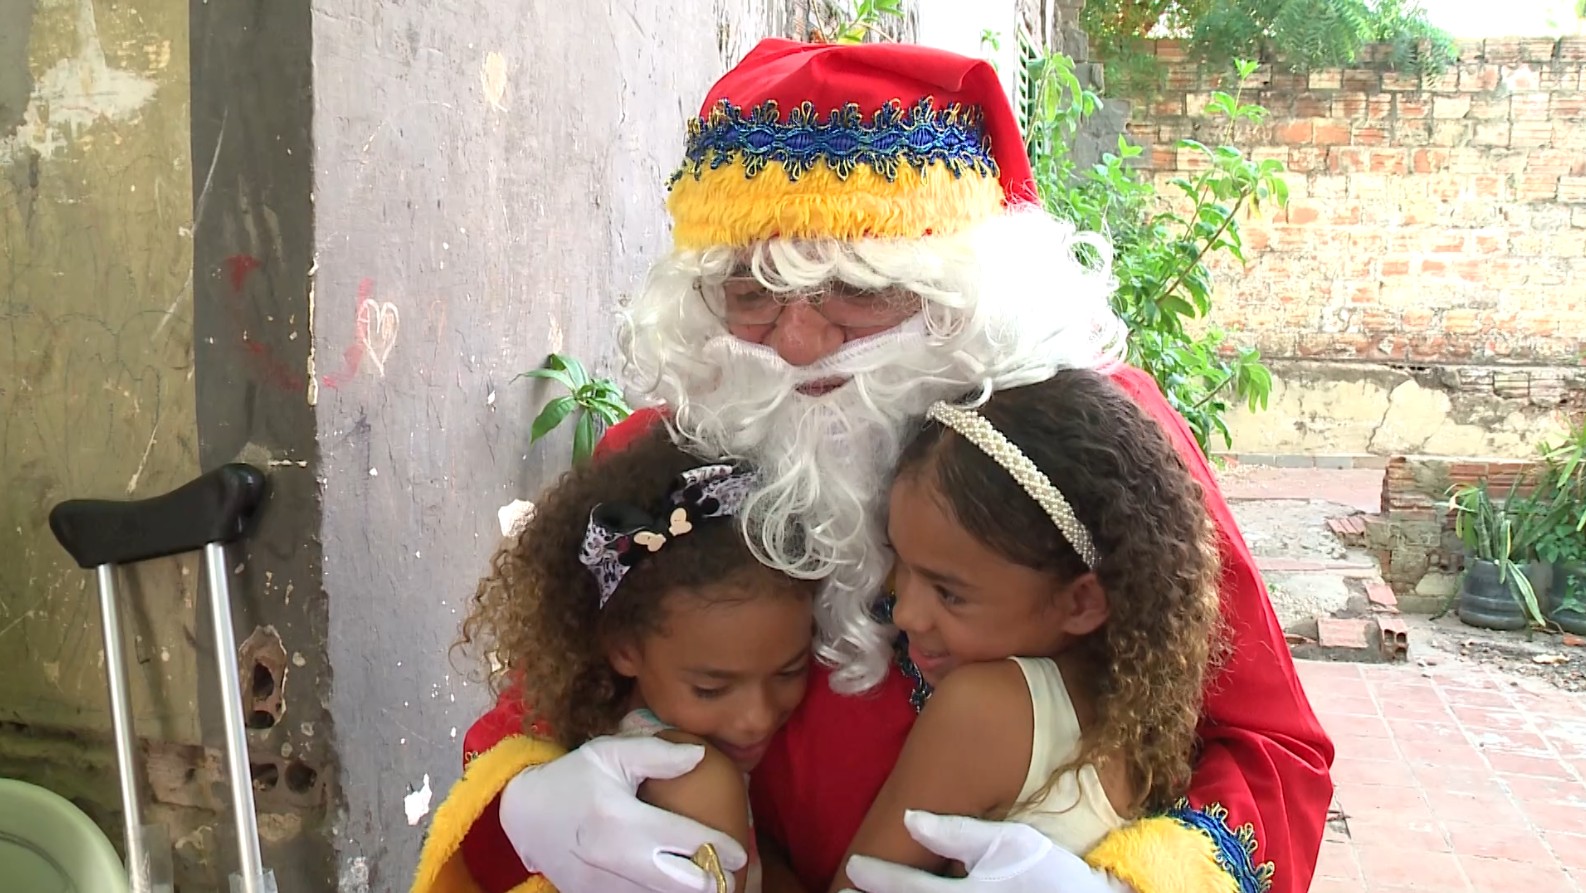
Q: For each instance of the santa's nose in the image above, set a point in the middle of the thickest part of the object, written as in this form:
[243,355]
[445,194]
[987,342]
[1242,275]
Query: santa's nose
[803,336]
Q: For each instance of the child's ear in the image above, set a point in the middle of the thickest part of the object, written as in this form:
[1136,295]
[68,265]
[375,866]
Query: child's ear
[1087,605]
[625,656]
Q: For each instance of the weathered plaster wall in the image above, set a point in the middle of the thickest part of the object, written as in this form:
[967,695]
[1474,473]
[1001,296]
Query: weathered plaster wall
[253,249]
[1371,409]
[489,183]
[95,375]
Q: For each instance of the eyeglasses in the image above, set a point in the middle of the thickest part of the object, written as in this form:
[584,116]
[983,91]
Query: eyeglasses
[745,301]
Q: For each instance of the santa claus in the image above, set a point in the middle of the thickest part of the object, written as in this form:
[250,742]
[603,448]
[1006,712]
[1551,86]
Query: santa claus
[857,235]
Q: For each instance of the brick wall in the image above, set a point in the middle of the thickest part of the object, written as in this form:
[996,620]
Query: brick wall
[1437,223]
[1413,539]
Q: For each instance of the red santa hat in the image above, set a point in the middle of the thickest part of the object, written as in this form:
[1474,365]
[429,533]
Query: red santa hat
[809,141]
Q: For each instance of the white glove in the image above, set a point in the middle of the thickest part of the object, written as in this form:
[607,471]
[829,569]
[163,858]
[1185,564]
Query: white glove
[1001,857]
[579,822]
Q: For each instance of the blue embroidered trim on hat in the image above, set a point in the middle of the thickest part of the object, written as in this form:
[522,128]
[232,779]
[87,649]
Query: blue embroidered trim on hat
[1236,847]
[919,135]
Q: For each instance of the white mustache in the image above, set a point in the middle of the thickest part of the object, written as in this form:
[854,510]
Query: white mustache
[855,358]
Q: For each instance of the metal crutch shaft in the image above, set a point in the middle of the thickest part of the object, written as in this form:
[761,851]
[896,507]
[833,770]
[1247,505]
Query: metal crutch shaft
[251,863]
[121,724]
[213,509]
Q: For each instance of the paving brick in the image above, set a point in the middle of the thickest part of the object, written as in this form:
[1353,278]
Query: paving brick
[1328,702]
[1546,766]
[1529,789]
[1337,861]
[1482,698]
[1470,807]
[1395,635]
[1345,633]
[1562,817]
[1358,770]
[1503,875]
[1398,866]
[1518,842]
[1569,849]
[1485,717]
[1381,594]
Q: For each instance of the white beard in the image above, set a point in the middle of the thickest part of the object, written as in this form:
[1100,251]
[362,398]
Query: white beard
[826,461]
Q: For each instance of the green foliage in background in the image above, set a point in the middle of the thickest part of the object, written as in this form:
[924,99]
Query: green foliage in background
[1161,248]
[840,21]
[1300,34]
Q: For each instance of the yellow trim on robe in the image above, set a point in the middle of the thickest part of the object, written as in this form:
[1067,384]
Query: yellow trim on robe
[1162,855]
[441,868]
[723,207]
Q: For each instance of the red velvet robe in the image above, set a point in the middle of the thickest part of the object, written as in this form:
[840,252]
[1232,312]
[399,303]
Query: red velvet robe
[1260,789]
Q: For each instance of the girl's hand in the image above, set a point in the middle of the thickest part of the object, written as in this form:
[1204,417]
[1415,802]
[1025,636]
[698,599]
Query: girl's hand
[578,821]
[1001,857]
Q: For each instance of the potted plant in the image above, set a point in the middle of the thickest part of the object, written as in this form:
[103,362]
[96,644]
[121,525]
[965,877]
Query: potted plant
[1564,547]
[1562,542]
[1504,587]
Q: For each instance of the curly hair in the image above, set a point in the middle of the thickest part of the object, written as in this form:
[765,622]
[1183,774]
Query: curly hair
[1157,558]
[535,619]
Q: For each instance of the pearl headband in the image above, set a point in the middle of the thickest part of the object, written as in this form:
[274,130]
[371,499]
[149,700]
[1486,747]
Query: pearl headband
[973,427]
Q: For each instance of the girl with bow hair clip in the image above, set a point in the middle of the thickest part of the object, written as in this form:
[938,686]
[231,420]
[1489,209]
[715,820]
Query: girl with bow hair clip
[631,604]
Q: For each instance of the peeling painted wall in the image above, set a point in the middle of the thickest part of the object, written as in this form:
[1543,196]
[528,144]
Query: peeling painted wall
[1371,409]
[252,150]
[489,183]
[95,370]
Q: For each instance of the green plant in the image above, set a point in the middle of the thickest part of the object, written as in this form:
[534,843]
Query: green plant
[593,403]
[852,23]
[1563,540]
[1503,533]
[1161,250]
[1298,34]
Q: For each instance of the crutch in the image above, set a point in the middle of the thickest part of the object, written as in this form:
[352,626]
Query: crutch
[207,513]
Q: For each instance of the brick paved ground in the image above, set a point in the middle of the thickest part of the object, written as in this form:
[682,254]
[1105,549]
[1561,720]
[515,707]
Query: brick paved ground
[1452,779]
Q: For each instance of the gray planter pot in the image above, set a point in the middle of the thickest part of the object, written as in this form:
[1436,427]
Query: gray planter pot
[1490,602]
[1567,603]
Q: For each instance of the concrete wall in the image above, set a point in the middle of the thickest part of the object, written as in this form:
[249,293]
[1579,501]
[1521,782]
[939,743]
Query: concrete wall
[1432,225]
[96,371]
[1362,409]
[329,258]
[488,185]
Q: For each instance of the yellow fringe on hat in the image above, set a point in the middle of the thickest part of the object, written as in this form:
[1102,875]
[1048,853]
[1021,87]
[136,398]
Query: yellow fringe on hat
[1163,855]
[441,868]
[724,207]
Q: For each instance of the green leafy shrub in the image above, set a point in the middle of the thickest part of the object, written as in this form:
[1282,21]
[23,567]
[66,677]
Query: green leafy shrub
[1161,250]
[1298,34]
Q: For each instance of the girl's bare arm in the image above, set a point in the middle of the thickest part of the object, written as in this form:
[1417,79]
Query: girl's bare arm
[713,794]
[968,754]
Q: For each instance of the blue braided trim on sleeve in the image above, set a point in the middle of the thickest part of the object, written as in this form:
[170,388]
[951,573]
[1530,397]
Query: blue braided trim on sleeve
[1236,847]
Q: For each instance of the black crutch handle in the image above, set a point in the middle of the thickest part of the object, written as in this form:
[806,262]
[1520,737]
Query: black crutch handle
[215,507]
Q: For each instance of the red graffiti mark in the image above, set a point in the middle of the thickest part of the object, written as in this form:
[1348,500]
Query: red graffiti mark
[240,266]
[352,357]
[270,368]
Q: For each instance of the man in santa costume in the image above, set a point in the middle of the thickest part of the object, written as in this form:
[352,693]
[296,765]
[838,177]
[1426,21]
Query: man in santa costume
[857,234]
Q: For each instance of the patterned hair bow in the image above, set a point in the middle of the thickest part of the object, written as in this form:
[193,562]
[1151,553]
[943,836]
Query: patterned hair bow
[621,535]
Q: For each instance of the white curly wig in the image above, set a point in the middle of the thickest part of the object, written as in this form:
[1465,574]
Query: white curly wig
[1006,302]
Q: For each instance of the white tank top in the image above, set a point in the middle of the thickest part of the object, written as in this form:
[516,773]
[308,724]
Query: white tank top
[1075,814]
